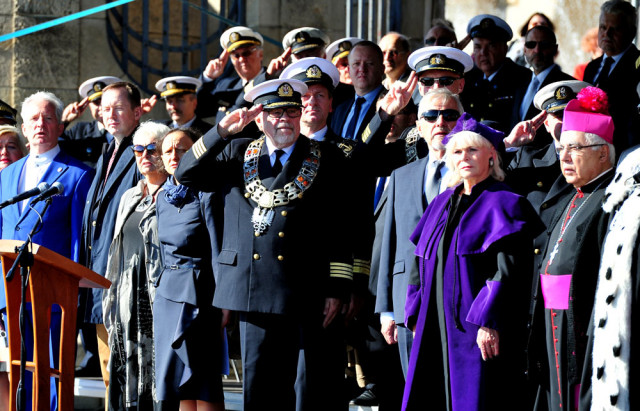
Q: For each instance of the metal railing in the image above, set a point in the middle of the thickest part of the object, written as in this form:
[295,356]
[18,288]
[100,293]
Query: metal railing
[125,35]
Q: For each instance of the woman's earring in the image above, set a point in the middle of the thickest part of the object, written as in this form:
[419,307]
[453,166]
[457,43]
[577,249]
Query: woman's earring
[490,162]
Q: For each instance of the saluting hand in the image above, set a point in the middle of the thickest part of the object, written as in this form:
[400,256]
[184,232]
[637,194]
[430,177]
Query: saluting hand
[147,104]
[237,120]
[74,110]
[525,131]
[488,341]
[216,66]
[399,95]
[278,64]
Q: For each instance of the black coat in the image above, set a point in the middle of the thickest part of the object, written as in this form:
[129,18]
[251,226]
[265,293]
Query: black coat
[623,98]
[533,171]
[225,94]
[99,218]
[494,100]
[290,268]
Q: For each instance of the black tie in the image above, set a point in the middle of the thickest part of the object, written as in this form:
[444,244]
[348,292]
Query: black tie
[277,165]
[604,73]
[351,130]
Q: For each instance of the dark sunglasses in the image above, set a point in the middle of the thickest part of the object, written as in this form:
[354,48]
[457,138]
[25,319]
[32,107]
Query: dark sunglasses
[138,150]
[443,81]
[292,112]
[543,44]
[448,115]
[246,53]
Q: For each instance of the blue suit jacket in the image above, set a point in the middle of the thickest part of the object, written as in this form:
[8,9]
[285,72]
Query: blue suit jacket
[405,206]
[62,227]
[100,212]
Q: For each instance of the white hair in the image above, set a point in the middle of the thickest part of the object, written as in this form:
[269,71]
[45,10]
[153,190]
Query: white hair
[441,95]
[151,129]
[592,138]
[47,96]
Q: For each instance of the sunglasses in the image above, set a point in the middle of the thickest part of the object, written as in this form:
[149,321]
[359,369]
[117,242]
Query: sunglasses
[138,150]
[443,81]
[292,112]
[246,53]
[448,115]
[543,44]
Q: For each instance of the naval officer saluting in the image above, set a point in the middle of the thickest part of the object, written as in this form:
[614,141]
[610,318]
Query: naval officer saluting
[284,265]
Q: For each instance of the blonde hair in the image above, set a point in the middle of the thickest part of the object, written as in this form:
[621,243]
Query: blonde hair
[470,139]
[20,141]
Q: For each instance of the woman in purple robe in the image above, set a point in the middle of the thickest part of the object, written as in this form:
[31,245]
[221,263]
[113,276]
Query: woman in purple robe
[468,307]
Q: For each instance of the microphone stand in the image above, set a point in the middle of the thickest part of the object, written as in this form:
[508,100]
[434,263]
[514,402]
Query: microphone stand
[25,260]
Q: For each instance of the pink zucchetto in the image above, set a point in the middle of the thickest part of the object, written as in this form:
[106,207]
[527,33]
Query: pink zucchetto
[589,113]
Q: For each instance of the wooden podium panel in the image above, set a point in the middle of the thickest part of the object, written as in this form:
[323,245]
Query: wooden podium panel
[54,279]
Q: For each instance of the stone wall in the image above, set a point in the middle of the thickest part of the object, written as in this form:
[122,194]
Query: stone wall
[59,59]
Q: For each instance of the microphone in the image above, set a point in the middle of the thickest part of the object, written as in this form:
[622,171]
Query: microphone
[27,194]
[56,188]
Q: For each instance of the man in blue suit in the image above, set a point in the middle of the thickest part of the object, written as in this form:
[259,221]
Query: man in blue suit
[410,190]
[116,173]
[62,222]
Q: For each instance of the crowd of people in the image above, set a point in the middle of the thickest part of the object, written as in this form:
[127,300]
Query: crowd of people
[362,223]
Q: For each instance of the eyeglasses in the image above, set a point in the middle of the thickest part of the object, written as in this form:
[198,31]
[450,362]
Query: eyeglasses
[138,150]
[543,44]
[574,148]
[292,112]
[443,81]
[246,53]
[448,115]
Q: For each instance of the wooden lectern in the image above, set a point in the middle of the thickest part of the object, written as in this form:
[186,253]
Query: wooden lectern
[54,279]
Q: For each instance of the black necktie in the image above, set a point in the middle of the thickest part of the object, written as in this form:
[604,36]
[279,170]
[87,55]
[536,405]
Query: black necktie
[604,73]
[277,165]
[351,130]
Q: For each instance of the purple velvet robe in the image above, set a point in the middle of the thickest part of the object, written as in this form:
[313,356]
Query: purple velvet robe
[479,286]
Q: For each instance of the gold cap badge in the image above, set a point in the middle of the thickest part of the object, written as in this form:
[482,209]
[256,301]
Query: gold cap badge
[285,90]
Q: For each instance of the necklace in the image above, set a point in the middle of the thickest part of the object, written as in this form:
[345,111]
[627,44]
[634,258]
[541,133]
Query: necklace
[267,200]
[567,221]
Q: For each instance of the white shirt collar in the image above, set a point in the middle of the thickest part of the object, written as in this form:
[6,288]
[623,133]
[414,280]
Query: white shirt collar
[320,134]
[44,158]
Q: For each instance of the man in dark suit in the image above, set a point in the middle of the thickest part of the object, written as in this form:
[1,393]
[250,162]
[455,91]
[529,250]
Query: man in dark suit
[491,85]
[62,222]
[540,50]
[86,140]
[410,189]
[116,172]
[285,266]
[179,94]
[351,118]
[221,93]
[617,70]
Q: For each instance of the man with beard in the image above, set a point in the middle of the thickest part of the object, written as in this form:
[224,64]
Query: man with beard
[285,266]
[410,190]
[179,94]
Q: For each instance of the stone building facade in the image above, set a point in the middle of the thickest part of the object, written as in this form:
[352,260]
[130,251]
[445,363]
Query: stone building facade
[58,59]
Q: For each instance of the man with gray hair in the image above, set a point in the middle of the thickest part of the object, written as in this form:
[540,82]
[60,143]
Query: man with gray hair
[566,276]
[410,190]
[62,222]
